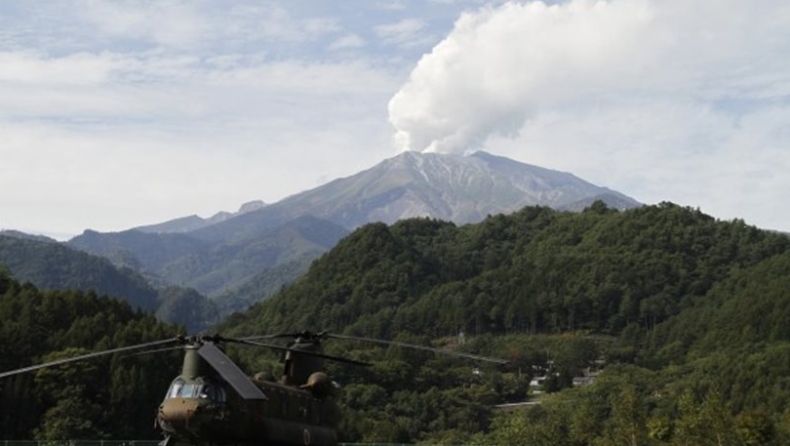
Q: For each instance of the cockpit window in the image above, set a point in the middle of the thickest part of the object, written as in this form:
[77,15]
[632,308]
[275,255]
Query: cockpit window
[182,389]
[175,388]
[189,391]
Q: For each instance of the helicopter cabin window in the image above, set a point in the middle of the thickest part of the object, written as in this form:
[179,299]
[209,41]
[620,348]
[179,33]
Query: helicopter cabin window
[190,391]
[175,388]
[182,389]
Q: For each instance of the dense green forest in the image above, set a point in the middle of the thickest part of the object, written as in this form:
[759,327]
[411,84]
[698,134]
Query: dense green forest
[213,267]
[682,319]
[112,397]
[266,283]
[51,265]
[696,311]
[534,271]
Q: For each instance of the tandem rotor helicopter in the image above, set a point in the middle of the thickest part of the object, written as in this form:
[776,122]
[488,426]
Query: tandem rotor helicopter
[213,402]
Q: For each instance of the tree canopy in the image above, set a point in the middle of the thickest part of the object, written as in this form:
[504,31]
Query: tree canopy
[685,315]
[110,397]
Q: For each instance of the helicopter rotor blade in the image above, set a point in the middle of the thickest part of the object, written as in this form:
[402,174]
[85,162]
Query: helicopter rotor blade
[230,372]
[91,355]
[158,350]
[301,352]
[418,347]
[304,335]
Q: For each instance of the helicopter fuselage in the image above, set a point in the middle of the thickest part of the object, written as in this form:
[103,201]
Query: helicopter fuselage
[214,403]
[204,412]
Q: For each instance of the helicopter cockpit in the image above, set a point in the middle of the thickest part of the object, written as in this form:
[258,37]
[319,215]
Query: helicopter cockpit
[181,388]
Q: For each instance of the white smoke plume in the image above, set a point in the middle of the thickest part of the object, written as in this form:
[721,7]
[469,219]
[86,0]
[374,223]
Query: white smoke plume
[499,66]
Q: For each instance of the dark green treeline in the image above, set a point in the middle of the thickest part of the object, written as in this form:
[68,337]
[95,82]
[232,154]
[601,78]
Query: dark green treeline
[113,397]
[535,271]
[689,313]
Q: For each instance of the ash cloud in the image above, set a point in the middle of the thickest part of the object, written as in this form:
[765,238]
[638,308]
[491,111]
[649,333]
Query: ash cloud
[500,66]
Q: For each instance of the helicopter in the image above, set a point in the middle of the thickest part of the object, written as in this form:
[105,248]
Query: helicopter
[213,402]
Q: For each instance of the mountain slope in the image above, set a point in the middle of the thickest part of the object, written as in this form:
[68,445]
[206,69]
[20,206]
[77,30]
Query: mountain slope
[229,265]
[536,270]
[229,249]
[23,235]
[143,251]
[261,286]
[193,222]
[461,189]
[213,267]
[51,265]
[679,305]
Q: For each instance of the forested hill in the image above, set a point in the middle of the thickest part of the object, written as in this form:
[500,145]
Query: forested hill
[107,397]
[686,315]
[534,271]
[55,266]
[693,312]
[51,265]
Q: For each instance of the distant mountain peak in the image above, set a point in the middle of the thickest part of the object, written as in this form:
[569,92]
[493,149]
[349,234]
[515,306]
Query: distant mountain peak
[274,242]
[251,206]
[485,181]
[23,235]
[458,188]
[194,222]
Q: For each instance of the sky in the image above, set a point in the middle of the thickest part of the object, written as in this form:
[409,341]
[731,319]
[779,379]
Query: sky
[115,114]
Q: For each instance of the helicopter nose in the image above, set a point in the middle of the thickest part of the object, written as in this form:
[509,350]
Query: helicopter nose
[177,412]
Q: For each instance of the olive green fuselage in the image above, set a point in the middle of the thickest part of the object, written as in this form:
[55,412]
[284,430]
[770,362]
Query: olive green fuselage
[200,408]
[288,416]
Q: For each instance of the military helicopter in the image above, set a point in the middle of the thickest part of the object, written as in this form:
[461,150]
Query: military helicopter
[213,402]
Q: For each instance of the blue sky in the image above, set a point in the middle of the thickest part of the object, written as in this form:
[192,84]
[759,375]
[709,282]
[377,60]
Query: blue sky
[115,114]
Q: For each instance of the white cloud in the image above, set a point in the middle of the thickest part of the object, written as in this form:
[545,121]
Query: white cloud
[500,65]
[36,69]
[174,24]
[732,166]
[114,114]
[123,113]
[675,100]
[301,78]
[149,84]
[391,5]
[408,32]
[153,137]
[116,174]
[349,41]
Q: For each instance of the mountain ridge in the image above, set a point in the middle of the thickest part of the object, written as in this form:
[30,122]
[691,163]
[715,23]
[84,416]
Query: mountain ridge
[270,245]
[53,265]
[462,189]
[194,222]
